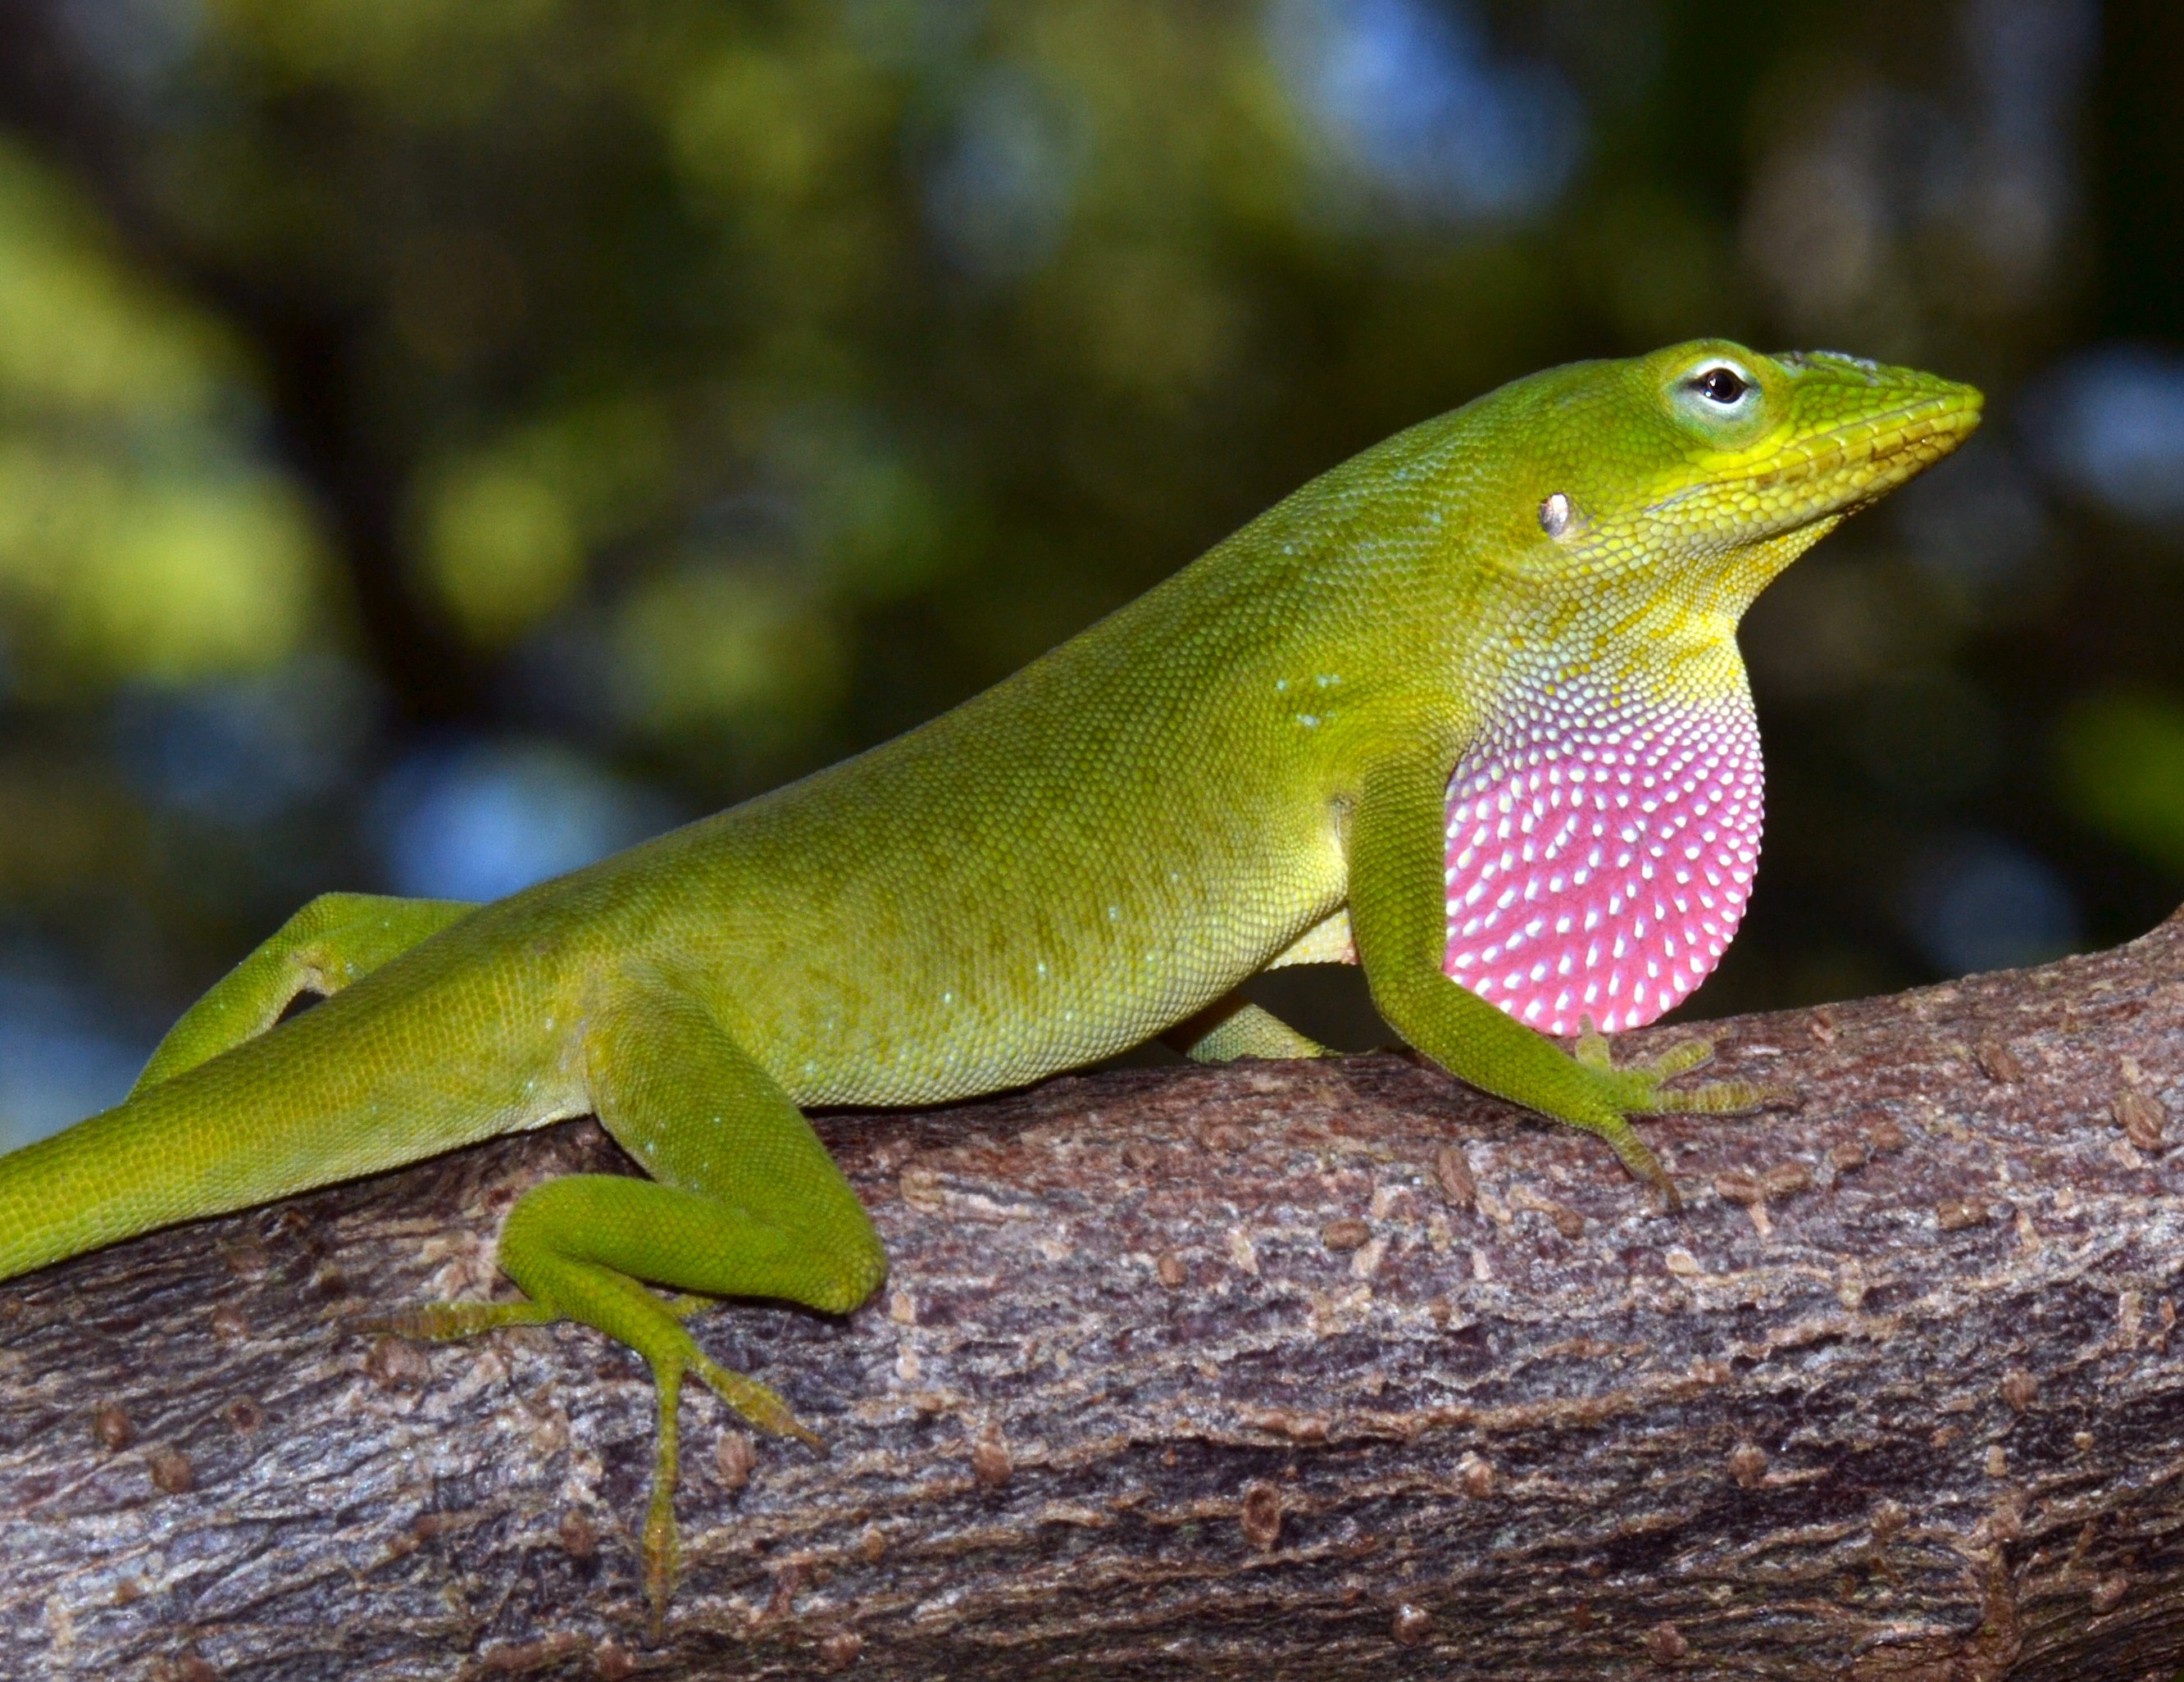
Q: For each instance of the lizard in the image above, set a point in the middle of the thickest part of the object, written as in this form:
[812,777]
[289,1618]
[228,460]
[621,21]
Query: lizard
[1467,710]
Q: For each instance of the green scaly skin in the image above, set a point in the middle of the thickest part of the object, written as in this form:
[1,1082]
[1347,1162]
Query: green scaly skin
[1090,854]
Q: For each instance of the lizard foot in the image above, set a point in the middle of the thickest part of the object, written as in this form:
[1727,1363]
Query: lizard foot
[1637,1089]
[673,1354]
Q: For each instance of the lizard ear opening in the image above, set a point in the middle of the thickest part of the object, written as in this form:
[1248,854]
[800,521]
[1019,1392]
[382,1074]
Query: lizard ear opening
[1555,515]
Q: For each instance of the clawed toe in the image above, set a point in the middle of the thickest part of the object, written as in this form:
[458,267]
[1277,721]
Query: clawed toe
[1681,1059]
[662,1551]
[1593,1051]
[445,1321]
[1723,1098]
[761,1407]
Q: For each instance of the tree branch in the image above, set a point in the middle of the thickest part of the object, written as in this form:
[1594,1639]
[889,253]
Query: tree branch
[1315,1369]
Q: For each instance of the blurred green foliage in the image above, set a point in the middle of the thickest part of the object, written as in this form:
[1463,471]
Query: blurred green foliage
[2120,758]
[139,536]
[680,395]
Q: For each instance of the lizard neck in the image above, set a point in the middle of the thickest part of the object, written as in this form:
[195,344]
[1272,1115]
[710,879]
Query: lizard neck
[1602,835]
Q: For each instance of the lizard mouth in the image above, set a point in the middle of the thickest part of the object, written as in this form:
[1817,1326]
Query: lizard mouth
[1829,473]
[1853,466]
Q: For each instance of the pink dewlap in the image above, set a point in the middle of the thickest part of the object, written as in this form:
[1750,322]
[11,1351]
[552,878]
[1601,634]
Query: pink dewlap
[1600,853]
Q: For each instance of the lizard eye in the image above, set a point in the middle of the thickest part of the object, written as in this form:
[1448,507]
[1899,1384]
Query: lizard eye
[1722,385]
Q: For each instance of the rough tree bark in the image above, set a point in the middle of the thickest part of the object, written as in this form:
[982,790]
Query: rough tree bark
[1294,1370]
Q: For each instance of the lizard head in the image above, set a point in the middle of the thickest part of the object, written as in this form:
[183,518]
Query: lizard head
[1699,472]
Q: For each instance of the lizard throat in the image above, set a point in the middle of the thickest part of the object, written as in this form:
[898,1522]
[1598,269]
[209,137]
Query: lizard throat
[1601,850]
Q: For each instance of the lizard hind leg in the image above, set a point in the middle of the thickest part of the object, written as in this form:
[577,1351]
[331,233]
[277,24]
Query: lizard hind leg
[746,1203]
[336,939]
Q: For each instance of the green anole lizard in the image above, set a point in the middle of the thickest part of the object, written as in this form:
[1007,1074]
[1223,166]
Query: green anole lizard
[1468,710]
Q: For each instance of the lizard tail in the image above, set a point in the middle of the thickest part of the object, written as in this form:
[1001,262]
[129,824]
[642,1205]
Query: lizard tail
[278,1114]
[104,1178]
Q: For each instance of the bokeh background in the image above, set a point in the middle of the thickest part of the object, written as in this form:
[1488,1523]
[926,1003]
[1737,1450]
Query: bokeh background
[443,442]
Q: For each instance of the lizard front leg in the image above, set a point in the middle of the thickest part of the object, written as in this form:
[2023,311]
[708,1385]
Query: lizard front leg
[1398,912]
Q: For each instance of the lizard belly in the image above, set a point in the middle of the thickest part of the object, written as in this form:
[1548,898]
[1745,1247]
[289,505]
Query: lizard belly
[1601,851]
